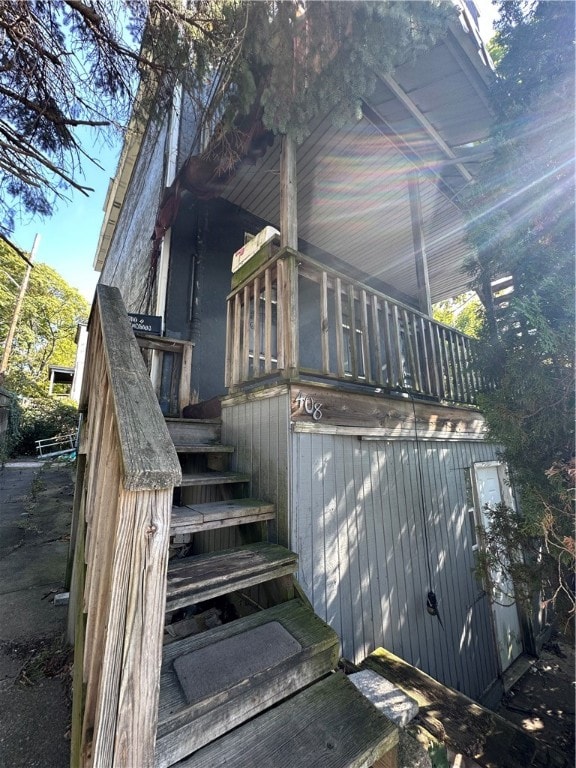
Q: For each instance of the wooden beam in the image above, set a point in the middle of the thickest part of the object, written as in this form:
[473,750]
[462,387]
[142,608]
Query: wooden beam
[421,118]
[288,195]
[422,276]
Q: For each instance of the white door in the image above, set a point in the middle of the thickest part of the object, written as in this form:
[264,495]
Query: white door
[491,489]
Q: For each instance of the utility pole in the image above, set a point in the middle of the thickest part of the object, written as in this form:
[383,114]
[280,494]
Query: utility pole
[18,309]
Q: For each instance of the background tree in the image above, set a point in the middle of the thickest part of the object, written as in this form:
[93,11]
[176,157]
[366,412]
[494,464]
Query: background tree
[46,330]
[522,225]
[72,63]
[464,312]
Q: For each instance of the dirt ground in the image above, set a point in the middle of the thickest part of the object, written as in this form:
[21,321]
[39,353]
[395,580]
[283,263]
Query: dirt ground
[35,665]
[542,701]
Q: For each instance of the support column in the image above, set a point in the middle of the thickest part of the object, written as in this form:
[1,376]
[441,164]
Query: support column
[424,296]
[288,195]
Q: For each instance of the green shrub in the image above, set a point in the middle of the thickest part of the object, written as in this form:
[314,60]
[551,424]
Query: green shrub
[43,418]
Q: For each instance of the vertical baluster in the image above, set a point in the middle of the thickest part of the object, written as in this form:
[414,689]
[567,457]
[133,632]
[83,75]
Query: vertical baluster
[365,336]
[409,339]
[438,358]
[396,351]
[237,339]
[473,381]
[352,334]
[229,345]
[426,372]
[280,315]
[324,329]
[388,342]
[449,364]
[339,327]
[268,320]
[377,341]
[453,346]
[461,368]
[256,335]
[421,385]
[246,334]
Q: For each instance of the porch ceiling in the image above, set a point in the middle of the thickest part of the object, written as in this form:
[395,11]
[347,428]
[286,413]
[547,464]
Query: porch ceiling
[353,181]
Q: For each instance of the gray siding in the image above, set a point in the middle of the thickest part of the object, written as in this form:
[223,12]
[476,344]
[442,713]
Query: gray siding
[358,526]
[259,430]
[128,260]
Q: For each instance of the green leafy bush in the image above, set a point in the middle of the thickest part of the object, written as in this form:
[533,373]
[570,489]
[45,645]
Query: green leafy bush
[42,418]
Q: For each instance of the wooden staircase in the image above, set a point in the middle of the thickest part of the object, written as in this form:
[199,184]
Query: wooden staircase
[258,690]
[160,528]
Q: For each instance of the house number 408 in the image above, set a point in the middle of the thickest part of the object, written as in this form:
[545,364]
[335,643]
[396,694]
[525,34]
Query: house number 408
[309,406]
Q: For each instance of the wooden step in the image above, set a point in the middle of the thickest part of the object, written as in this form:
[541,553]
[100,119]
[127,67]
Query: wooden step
[203,577]
[194,518]
[330,724]
[194,431]
[204,448]
[213,478]
[237,673]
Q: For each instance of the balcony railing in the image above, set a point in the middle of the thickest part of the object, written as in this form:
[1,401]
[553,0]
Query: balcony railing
[296,317]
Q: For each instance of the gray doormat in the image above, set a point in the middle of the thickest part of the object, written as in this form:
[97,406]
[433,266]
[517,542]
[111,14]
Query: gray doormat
[221,665]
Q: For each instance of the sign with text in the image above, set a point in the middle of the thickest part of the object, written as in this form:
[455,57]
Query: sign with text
[151,324]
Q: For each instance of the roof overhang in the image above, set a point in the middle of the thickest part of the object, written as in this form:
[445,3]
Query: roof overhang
[428,121]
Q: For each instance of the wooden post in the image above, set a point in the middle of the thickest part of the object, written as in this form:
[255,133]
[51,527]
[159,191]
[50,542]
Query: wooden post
[422,278]
[288,195]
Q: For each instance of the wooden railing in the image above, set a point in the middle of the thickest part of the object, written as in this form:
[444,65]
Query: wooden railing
[127,468]
[172,381]
[294,317]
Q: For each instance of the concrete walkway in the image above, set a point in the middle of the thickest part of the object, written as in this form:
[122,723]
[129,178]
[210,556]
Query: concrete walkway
[35,513]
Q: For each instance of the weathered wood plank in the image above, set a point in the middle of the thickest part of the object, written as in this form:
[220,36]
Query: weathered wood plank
[344,412]
[339,320]
[184,728]
[353,347]
[268,320]
[245,364]
[256,352]
[214,448]
[148,456]
[237,341]
[213,478]
[377,341]
[194,431]
[288,194]
[203,577]
[365,335]
[467,727]
[219,514]
[329,724]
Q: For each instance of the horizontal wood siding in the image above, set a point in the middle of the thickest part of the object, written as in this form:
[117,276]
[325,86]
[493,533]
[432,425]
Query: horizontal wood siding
[128,262]
[362,538]
[258,428]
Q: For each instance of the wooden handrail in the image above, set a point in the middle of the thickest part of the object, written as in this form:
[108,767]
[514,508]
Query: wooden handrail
[184,349]
[127,468]
[363,336]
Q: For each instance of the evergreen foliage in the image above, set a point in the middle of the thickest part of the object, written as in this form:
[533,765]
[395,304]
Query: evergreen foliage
[73,63]
[522,225]
[47,325]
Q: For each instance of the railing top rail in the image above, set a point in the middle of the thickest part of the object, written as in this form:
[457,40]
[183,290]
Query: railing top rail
[317,265]
[149,459]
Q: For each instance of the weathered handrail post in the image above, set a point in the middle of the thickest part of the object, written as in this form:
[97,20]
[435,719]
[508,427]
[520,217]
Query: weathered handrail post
[127,470]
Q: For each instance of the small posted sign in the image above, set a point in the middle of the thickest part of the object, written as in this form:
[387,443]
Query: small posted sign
[151,324]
